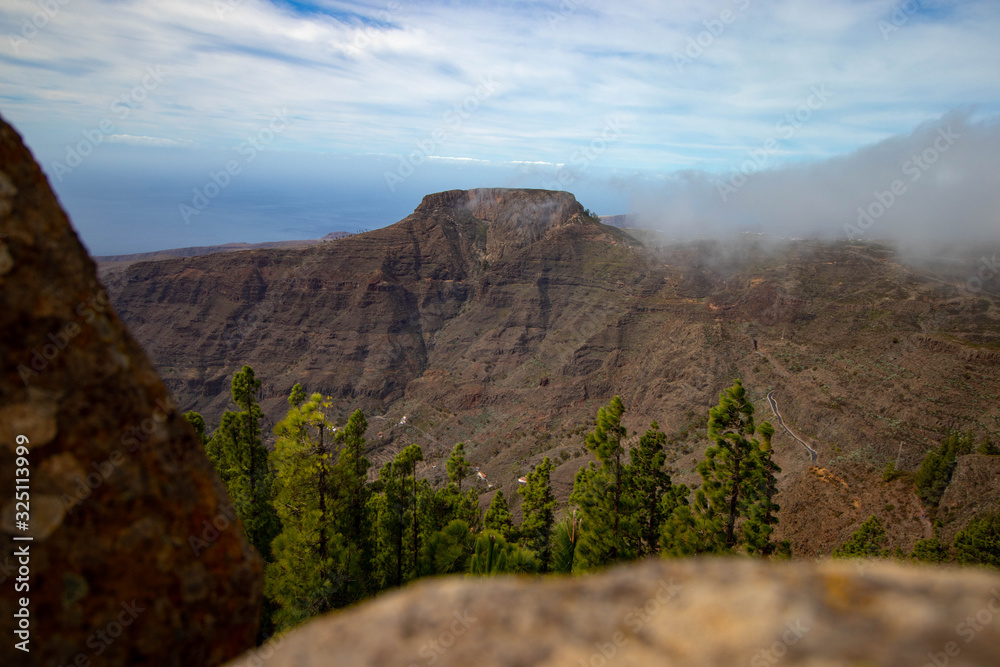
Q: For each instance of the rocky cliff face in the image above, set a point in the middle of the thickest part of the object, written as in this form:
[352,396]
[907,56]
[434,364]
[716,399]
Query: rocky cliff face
[135,556]
[716,613]
[506,318]
[515,218]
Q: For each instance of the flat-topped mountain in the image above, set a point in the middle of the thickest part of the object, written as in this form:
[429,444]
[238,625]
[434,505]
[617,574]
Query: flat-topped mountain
[506,318]
[516,218]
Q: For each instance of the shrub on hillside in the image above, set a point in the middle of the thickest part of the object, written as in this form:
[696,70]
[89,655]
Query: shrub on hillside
[986,448]
[939,465]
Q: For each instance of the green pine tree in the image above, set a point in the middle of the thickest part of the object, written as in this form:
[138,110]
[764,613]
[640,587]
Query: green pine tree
[386,507]
[440,507]
[308,576]
[297,396]
[868,541]
[498,517]
[763,514]
[731,472]
[198,424]
[602,492]
[397,520]
[242,462]
[938,466]
[929,550]
[692,529]
[979,542]
[650,482]
[734,506]
[352,519]
[458,467]
[538,507]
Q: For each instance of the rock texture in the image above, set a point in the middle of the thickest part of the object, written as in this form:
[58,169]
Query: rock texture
[715,613]
[119,485]
[516,218]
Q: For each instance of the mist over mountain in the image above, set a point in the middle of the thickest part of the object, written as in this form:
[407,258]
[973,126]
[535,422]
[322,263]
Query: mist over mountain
[938,184]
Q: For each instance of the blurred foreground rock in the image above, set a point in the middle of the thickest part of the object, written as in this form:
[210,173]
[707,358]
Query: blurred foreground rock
[700,612]
[120,489]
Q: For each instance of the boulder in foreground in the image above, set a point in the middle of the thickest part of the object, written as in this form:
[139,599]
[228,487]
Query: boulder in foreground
[705,613]
[136,556]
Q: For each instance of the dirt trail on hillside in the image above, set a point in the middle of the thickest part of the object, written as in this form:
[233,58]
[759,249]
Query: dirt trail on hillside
[774,408]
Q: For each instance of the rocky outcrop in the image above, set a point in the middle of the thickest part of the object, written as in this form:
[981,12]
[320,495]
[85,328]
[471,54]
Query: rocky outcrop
[515,217]
[136,557]
[702,613]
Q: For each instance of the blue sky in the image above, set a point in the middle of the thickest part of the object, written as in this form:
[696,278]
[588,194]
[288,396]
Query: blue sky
[208,121]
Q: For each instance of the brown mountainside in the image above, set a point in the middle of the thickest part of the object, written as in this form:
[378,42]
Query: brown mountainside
[505,318]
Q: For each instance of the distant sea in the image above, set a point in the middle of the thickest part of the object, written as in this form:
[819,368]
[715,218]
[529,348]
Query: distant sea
[126,200]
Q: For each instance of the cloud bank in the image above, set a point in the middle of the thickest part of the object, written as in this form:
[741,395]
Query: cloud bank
[940,183]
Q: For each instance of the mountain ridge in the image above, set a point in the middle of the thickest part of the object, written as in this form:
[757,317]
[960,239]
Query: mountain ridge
[508,331]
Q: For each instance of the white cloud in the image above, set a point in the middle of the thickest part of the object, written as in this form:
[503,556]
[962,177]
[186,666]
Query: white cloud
[376,77]
[382,85]
[147,141]
[936,184]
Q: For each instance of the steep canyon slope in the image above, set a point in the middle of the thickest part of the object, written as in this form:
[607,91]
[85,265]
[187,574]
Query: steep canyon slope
[505,318]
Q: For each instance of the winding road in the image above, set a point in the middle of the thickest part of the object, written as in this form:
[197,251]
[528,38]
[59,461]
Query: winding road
[774,408]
